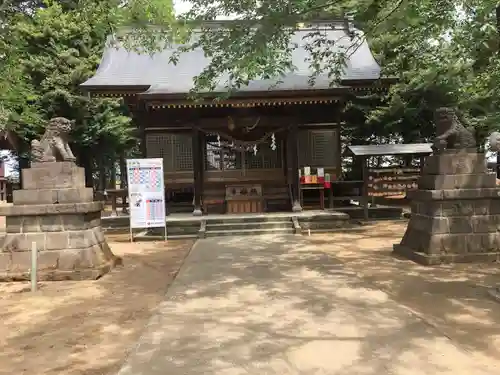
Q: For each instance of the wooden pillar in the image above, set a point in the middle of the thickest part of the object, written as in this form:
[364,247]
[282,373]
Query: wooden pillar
[294,165]
[338,151]
[284,156]
[197,171]
[365,188]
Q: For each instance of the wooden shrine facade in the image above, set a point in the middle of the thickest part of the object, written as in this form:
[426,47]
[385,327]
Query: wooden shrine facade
[241,154]
[242,158]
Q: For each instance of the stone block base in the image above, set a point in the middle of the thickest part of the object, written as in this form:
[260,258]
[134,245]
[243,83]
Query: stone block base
[436,259]
[56,212]
[71,247]
[55,175]
[63,264]
[455,213]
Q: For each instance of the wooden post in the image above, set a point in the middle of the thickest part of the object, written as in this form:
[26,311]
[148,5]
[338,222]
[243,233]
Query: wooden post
[365,187]
[197,171]
[294,164]
[284,156]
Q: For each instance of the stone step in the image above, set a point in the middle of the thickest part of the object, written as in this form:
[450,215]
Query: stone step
[249,232]
[178,228]
[249,225]
[229,219]
[323,225]
[347,228]
[152,237]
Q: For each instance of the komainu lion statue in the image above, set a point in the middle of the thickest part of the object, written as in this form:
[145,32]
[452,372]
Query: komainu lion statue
[53,146]
[451,133]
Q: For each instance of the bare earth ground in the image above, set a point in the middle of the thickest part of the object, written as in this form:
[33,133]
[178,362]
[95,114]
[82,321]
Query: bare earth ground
[452,298]
[88,327]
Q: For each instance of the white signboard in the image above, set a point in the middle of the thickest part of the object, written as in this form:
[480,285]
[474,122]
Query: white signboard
[146,193]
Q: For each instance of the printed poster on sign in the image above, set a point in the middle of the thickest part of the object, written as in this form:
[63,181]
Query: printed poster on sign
[146,193]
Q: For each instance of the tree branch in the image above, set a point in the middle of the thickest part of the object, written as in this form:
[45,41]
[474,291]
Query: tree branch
[317,7]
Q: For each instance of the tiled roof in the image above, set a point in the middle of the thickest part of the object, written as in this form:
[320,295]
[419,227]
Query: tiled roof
[122,68]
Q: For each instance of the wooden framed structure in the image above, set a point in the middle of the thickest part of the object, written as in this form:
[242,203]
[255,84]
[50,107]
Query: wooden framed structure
[389,180]
[256,139]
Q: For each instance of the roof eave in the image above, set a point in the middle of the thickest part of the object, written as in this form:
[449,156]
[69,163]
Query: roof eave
[382,81]
[339,90]
[114,90]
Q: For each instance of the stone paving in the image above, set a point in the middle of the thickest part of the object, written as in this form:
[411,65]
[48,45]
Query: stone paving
[280,305]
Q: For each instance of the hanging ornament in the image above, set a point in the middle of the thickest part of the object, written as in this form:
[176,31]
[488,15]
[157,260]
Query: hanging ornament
[273,142]
[255,150]
[218,140]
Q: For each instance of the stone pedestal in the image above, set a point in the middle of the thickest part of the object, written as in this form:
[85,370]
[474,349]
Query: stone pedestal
[57,212]
[455,213]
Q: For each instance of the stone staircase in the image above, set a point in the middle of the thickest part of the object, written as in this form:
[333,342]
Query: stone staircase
[241,226]
[332,222]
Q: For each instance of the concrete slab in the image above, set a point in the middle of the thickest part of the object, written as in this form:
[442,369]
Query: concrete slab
[280,305]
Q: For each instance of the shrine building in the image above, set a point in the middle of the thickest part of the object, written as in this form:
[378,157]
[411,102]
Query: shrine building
[247,153]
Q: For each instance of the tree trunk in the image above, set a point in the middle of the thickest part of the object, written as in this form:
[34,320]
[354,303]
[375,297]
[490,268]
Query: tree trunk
[88,165]
[84,160]
[123,171]
[102,174]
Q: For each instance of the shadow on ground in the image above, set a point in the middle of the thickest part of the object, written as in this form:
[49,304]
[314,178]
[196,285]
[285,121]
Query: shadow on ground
[87,327]
[452,297]
[286,305]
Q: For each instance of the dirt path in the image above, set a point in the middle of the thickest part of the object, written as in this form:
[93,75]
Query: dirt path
[453,297]
[88,327]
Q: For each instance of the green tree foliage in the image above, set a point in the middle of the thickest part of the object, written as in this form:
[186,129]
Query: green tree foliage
[442,52]
[49,51]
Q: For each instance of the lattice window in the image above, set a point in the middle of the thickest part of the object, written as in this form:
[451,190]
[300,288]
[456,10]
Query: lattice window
[183,149]
[323,147]
[266,158]
[317,148]
[174,149]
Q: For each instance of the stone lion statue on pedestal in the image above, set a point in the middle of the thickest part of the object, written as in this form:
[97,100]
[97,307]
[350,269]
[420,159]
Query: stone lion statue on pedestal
[451,133]
[54,146]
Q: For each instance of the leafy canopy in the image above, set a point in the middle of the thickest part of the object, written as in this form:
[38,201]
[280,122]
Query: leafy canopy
[443,52]
[50,50]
